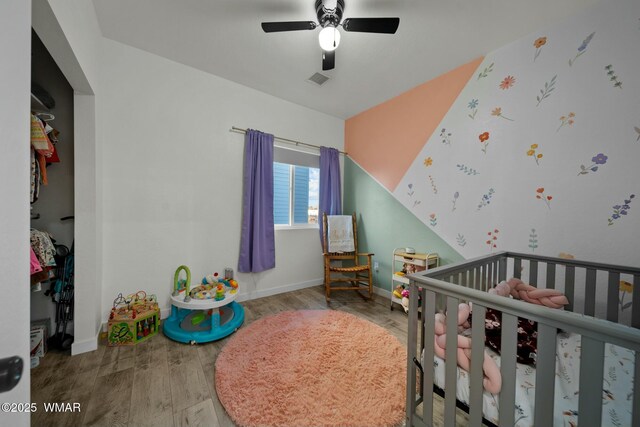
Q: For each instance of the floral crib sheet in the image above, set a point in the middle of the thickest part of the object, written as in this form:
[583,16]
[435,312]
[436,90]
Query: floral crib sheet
[617,386]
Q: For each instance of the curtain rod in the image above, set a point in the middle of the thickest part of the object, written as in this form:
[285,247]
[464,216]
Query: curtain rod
[288,141]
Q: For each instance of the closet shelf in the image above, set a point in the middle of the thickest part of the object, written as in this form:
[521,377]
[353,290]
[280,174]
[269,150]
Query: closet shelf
[38,105]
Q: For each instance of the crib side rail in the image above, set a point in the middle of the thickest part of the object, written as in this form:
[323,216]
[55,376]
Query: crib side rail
[575,262]
[595,333]
[486,259]
[594,289]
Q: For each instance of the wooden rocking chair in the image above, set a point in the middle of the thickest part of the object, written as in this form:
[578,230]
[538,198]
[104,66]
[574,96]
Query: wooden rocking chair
[357,275]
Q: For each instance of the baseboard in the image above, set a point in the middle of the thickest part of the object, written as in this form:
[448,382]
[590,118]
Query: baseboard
[166,311]
[279,290]
[79,347]
[382,292]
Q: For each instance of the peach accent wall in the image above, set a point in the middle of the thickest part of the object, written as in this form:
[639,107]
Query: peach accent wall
[385,139]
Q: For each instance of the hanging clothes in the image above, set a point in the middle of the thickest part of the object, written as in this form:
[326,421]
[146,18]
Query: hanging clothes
[54,157]
[37,193]
[44,251]
[39,139]
[34,266]
[52,134]
[42,166]
[35,178]
[43,248]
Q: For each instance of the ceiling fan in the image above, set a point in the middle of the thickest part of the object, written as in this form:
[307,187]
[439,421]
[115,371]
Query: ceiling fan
[329,19]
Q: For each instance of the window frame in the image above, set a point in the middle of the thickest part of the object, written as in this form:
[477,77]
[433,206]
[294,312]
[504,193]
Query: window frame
[292,225]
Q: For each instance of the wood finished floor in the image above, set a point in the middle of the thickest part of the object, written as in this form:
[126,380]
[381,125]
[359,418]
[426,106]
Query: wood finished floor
[163,383]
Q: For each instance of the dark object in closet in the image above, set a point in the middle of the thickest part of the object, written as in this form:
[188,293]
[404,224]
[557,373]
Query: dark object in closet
[10,372]
[63,297]
[42,95]
[64,312]
[62,294]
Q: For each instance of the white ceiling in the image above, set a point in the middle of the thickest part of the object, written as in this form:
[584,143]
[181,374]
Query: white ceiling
[224,37]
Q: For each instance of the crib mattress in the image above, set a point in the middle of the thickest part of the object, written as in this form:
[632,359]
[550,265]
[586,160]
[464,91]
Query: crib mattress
[617,386]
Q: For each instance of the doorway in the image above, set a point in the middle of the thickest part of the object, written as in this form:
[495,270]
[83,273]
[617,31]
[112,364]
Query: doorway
[52,206]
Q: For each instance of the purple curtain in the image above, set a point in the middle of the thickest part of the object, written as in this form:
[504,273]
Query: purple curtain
[257,244]
[330,190]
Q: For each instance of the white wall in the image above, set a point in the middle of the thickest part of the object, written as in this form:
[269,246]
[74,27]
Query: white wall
[184,115]
[575,219]
[15,47]
[566,200]
[88,228]
[79,23]
[172,175]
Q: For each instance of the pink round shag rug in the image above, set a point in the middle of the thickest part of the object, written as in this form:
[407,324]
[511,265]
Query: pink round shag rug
[312,368]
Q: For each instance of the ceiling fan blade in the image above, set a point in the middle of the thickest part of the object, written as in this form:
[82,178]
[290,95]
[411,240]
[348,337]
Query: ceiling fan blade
[371,25]
[328,60]
[272,27]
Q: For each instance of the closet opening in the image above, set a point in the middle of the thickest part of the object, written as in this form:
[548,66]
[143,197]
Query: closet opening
[52,206]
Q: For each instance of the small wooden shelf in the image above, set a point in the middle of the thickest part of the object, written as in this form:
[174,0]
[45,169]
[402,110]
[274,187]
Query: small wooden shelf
[417,259]
[401,279]
[396,300]
[421,261]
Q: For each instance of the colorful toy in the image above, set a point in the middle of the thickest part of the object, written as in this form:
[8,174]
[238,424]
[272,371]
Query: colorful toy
[404,295]
[408,268]
[204,313]
[201,292]
[133,319]
[397,292]
[219,292]
[210,279]
[405,300]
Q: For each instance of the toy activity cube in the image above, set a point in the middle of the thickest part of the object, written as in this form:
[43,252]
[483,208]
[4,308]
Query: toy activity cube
[133,319]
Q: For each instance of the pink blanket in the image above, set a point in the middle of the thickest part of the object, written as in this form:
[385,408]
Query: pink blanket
[520,290]
[513,287]
[34,266]
[492,379]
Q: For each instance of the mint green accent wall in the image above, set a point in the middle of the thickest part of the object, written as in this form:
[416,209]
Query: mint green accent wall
[385,224]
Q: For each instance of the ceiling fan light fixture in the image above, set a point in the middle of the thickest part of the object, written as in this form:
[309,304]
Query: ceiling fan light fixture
[329,38]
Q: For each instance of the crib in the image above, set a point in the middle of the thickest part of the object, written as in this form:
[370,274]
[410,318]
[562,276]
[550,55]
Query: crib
[595,313]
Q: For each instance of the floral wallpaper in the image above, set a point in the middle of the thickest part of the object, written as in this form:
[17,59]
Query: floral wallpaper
[541,150]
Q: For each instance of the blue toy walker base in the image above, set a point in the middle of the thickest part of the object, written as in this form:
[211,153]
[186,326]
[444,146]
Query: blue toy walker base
[199,326]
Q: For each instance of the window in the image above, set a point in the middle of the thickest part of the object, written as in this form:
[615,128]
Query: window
[295,194]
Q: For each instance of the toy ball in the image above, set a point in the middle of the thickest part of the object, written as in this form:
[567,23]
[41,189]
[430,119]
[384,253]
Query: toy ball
[233,283]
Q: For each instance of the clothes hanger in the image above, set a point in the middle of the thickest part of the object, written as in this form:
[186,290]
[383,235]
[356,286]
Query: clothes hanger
[47,117]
